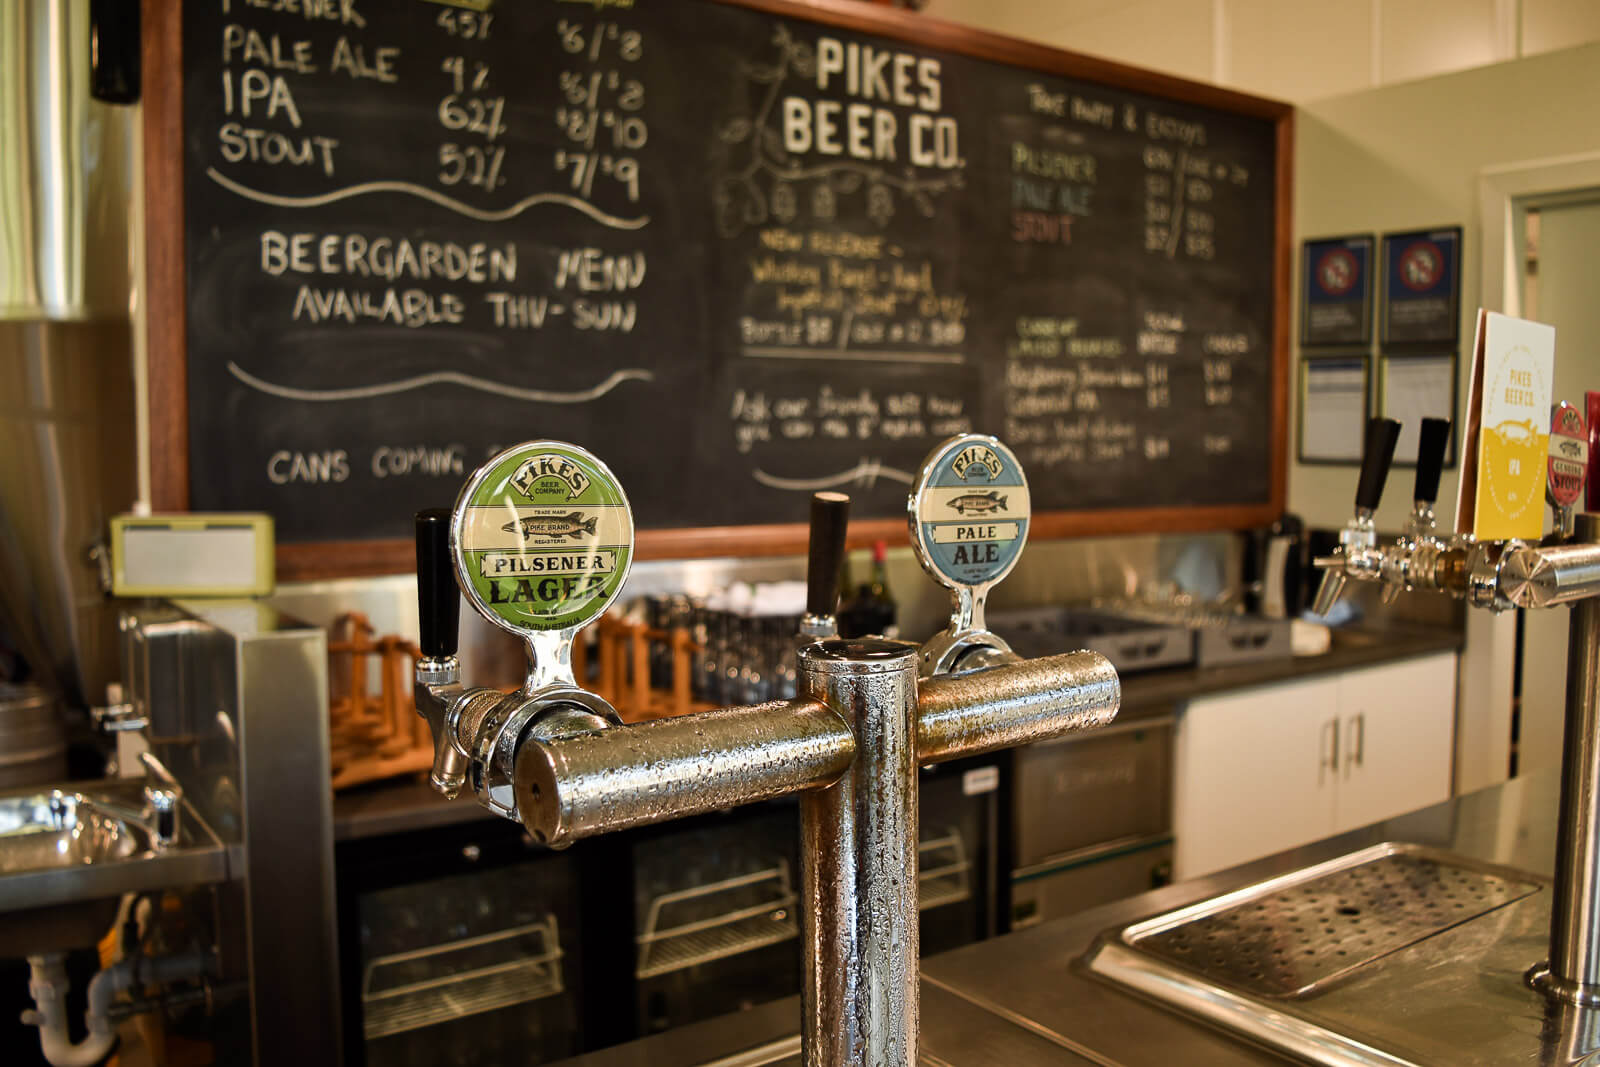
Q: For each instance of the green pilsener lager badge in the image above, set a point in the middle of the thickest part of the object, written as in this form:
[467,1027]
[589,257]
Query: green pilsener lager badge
[543,537]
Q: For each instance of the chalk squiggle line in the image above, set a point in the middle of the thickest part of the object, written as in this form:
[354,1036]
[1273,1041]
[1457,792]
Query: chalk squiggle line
[865,474]
[425,193]
[441,377]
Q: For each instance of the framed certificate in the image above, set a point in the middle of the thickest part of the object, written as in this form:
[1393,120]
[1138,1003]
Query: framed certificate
[1422,287]
[1333,408]
[1415,386]
[1336,291]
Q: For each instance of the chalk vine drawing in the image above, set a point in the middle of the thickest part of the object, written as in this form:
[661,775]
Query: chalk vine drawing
[769,184]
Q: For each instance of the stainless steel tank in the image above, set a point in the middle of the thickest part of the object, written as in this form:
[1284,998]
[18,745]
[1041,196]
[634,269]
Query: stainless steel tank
[33,745]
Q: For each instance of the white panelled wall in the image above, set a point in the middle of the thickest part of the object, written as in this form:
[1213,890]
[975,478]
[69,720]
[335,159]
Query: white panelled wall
[1294,50]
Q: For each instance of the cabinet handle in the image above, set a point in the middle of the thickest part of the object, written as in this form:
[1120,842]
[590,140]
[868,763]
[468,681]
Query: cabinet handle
[1328,757]
[1358,725]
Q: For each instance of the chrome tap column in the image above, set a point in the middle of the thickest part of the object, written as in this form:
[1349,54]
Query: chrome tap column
[859,837]
[541,539]
[1574,969]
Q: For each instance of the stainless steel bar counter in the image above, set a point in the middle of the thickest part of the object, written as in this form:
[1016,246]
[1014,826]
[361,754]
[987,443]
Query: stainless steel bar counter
[1027,998]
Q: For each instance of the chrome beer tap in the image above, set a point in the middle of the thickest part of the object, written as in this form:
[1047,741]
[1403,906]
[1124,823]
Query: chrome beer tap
[968,514]
[1358,555]
[540,541]
[1495,575]
[1412,560]
[553,567]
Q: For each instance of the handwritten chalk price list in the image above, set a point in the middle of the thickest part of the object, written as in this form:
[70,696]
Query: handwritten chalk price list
[601,114]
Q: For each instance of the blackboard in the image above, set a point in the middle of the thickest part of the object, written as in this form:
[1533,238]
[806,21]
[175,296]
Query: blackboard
[742,251]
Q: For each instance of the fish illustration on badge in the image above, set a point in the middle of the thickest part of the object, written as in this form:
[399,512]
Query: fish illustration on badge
[552,526]
[542,536]
[978,503]
[969,511]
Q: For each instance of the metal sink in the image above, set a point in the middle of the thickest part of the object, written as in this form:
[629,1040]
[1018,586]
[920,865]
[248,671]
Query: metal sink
[56,829]
[67,857]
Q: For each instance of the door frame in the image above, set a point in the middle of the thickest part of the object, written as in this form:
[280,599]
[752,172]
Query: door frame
[1505,193]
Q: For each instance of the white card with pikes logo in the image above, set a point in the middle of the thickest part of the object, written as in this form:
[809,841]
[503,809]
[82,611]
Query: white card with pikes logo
[1508,429]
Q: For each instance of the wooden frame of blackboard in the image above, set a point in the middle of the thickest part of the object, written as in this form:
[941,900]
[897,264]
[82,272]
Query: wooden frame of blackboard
[1325,358]
[166,297]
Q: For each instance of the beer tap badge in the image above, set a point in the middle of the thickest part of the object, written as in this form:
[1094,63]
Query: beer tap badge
[543,537]
[970,511]
[1569,455]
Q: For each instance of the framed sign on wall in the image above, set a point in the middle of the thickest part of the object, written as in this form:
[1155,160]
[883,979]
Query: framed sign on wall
[1422,287]
[1336,291]
[1333,408]
[1415,386]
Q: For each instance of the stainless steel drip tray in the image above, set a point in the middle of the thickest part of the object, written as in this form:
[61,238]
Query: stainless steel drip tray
[1293,936]
[1397,954]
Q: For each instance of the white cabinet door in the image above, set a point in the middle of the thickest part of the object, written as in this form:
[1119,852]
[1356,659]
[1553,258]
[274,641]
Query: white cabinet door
[1252,774]
[1398,735]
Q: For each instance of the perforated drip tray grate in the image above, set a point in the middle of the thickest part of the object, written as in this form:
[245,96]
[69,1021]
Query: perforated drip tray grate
[1395,955]
[1291,940]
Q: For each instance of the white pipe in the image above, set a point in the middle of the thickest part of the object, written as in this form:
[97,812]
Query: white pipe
[49,988]
[139,315]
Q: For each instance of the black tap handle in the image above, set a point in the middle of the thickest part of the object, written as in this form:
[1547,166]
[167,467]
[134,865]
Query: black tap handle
[1431,446]
[830,518]
[1376,456]
[438,597]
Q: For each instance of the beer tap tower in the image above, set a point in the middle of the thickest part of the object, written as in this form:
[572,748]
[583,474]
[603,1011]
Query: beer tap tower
[540,541]
[1500,575]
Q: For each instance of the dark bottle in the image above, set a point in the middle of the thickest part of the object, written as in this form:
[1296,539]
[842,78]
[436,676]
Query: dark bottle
[849,624]
[881,600]
[847,598]
[872,609]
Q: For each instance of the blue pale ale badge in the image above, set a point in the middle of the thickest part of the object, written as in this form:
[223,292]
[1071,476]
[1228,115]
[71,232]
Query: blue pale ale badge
[969,511]
[543,537]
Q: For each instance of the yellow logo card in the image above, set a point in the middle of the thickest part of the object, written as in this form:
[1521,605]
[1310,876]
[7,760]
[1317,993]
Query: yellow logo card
[1508,429]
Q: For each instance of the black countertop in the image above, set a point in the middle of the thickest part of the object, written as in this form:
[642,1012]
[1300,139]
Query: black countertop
[1155,691]
[398,807]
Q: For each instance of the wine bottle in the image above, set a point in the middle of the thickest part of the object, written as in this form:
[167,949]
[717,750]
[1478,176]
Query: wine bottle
[878,607]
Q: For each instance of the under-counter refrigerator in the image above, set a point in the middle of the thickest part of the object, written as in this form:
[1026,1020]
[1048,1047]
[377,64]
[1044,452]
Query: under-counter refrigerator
[459,948]
[472,945]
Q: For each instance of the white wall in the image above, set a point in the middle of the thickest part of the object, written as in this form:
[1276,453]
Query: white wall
[1293,50]
[1411,156]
